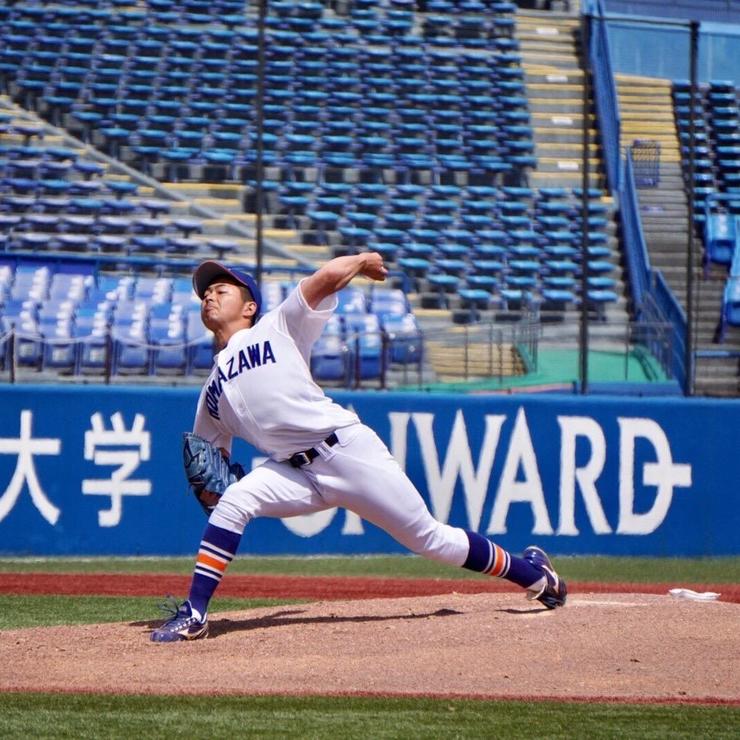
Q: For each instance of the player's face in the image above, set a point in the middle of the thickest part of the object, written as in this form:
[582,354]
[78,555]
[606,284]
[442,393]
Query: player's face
[225,304]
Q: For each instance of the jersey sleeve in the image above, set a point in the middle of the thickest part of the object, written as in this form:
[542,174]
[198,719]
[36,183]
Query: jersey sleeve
[304,323]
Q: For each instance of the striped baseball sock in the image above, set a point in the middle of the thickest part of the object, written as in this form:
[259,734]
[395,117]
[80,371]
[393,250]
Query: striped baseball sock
[217,550]
[487,557]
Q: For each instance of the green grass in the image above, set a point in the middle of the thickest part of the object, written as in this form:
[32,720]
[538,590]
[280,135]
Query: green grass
[92,716]
[18,611]
[582,568]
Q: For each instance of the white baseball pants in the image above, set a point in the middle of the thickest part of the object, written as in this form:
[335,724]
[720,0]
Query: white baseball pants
[358,473]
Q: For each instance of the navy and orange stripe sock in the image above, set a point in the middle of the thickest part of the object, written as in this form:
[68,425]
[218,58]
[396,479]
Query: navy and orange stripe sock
[217,550]
[488,557]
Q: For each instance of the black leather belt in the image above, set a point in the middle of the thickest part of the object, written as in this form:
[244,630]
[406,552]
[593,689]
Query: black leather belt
[308,456]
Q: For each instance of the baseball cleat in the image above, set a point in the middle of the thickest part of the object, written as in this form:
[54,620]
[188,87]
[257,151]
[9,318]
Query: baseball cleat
[549,590]
[183,625]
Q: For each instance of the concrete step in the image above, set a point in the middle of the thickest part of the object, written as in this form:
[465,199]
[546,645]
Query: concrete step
[548,74]
[716,390]
[564,179]
[569,136]
[717,374]
[661,215]
[531,19]
[664,237]
[555,89]
[665,119]
[558,106]
[567,165]
[635,82]
[669,191]
[657,112]
[571,119]
[564,61]
[563,149]
[668,162]
[669,151]
[549,29]
[669,228]
[663,242]
[712,370]
[559,45]
[672,168]
[672,262]
[658,209]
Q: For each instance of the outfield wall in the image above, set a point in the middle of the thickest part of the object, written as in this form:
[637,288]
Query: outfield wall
[93,470]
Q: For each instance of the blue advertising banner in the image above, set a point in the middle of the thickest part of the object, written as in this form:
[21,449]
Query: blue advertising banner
[90,470]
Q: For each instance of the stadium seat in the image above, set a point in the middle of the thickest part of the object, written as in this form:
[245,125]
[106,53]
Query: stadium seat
[385,302]
[365,344]
[168,336]
[730,306]
[329,359]
[351,301]
[60,347]
[131,353]
[200,345]
[720,237]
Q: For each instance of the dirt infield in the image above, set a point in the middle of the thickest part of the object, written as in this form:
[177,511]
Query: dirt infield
[601,646]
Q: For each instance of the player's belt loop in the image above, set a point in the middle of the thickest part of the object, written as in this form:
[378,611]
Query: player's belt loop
[308,456]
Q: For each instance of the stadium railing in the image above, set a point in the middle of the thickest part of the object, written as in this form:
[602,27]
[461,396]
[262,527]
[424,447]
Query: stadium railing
[663,306]
[635,248]
[654,302]
[605,90]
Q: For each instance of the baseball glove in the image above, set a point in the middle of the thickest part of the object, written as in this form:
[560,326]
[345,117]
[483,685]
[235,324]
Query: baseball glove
[207,469]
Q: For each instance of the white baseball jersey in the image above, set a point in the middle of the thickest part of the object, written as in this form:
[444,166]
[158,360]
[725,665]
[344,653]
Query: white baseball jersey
[261,389]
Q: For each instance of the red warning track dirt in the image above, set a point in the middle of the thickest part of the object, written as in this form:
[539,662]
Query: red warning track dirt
[326,588]
[474,638]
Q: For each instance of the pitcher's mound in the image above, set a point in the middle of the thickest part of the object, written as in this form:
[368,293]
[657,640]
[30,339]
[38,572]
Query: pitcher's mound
[599,646]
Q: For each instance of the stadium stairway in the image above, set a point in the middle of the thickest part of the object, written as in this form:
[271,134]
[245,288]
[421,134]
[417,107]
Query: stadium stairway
[227,199]
[223,230]
[554,79]
[551,58]
[476,361]
[647,114]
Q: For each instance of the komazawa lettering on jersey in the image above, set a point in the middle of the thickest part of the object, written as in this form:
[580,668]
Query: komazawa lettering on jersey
[248,358]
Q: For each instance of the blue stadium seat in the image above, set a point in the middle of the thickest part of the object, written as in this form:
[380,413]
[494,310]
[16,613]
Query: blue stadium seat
[200,345]
[730,305]
[514,299]
[351,300]
[385,302]
[474,300]
[329,358]
[132,354]
[29,346]
[597,300]
[365,344]
[168,336]
[94,345]
[720,237]
[60,347]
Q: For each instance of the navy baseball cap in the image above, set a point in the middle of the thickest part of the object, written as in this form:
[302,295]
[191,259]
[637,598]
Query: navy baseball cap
[209,271]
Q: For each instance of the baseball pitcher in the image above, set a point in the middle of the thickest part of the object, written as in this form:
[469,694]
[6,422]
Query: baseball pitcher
[320,455]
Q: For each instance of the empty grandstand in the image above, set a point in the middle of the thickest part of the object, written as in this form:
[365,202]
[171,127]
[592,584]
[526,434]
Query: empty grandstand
[462,140]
